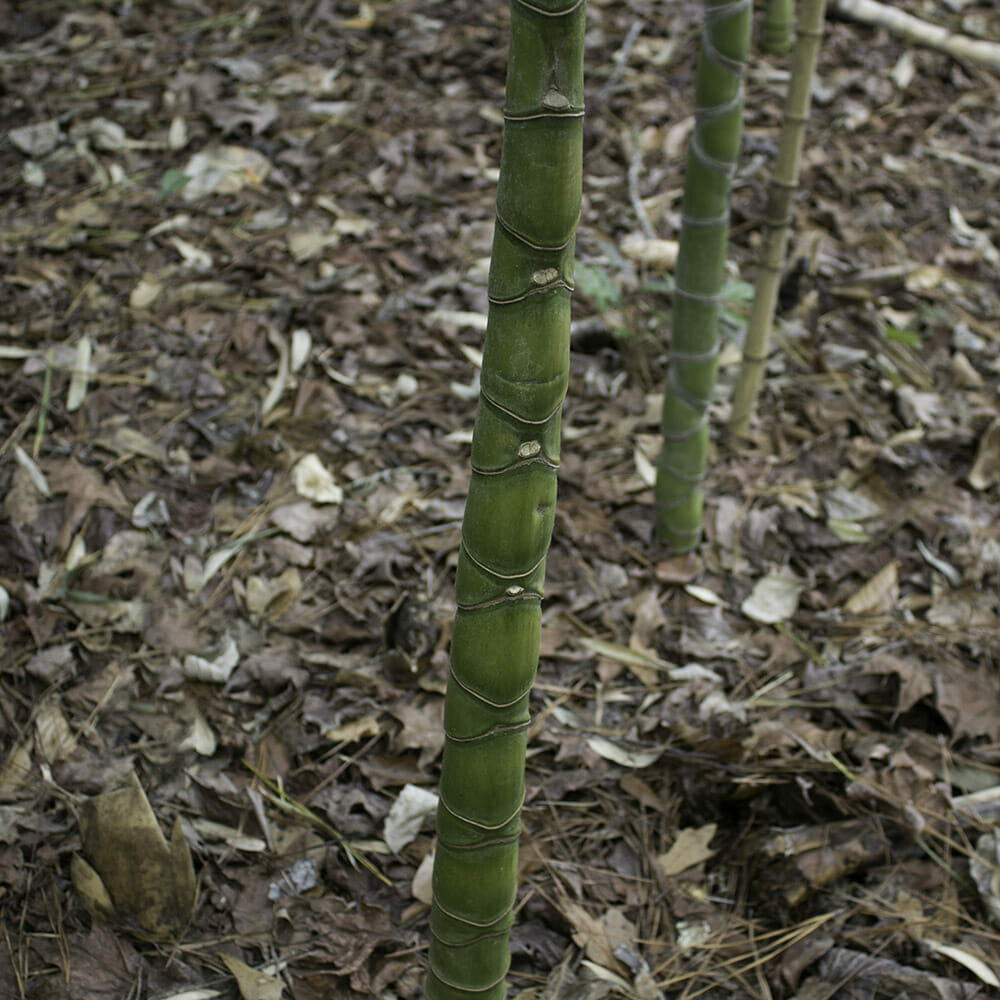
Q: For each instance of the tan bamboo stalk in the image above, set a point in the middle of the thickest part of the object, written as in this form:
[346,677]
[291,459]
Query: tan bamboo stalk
[783,186]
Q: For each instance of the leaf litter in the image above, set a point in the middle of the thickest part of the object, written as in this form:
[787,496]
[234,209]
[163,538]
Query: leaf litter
[244,261]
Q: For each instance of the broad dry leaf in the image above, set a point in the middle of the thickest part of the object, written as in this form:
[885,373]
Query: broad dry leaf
[620,755]
[149,881]
[879,594]
[689,849]
[600,937]
[252,983]
[774,597]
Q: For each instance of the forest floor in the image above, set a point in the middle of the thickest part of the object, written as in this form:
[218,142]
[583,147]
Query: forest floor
[236,235]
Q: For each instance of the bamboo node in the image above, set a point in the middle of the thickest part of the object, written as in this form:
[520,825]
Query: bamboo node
[529,449]
[555,100]
[545,276]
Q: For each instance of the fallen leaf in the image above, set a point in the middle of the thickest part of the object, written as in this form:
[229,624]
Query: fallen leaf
[147,880]
[412,809]
[314,482]
[985,469]
[689,849]
[774,598]
[879,594]
[252,983]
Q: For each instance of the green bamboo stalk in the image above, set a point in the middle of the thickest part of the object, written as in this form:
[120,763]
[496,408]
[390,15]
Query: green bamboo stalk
[781,193]
[700,271]
[511,504]
[779,18]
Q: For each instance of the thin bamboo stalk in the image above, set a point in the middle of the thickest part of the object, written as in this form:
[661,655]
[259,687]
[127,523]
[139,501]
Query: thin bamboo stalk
[700,271]
[781,194]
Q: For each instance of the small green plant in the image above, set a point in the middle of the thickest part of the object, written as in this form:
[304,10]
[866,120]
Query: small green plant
[597,284]
[171,182]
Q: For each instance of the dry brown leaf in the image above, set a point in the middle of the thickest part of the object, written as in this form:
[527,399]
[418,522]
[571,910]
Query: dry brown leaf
[689,849]
[149,881]
[879,594]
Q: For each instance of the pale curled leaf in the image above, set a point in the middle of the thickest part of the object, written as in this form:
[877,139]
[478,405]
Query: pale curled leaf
[985,469]
[601,937]
[774,598]
[36,475]
[224,834]
[420,887]
[657,253]
[414,807]
[952,575]
[457,317]
[704,595]
[847,531]
[223,170]
[305,246]
[973,963]
[619,755]
[55,738]
[271,598]
[644,468]
[81,375]
[301,347]
[216,670]
[280,381]
[200,737]
[356,729]
[314,482]
[194,257]
[843,504]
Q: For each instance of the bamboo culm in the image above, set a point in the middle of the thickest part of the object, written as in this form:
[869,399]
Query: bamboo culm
[694,349]
[510,507]
[779,19]
[781,194]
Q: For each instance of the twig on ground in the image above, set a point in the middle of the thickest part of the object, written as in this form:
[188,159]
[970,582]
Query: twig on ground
[915,30]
